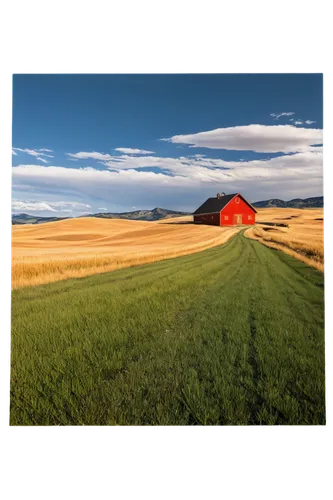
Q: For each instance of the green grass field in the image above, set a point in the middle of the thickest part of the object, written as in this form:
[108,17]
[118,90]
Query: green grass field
[233,335]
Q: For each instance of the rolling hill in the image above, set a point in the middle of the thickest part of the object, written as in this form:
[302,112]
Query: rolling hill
[89,245]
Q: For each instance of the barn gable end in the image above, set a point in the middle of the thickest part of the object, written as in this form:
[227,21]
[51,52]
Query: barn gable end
[226,210]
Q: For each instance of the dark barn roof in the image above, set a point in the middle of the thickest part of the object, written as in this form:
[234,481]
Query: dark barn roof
[213,205]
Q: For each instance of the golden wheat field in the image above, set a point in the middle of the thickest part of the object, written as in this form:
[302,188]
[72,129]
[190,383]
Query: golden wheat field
[303,239]
[75,248]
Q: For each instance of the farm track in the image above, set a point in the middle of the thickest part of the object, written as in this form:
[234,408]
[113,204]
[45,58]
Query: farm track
[233,335]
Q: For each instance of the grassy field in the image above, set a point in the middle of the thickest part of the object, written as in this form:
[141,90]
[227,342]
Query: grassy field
[303,239]
[232,335]
[75,248]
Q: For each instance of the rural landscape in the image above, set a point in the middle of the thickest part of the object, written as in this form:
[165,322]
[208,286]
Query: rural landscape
[209,312]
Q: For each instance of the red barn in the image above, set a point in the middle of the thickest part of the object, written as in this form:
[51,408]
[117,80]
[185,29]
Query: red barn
[226,210]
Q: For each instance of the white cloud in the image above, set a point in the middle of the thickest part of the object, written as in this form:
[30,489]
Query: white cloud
[131,151]
[93,155]
[14,152]
[259,138]
[276,116]
[68,206]
[208,169]
[31,206]
[180,184]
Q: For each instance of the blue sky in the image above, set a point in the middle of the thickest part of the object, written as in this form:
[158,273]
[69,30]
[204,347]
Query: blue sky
[89,143]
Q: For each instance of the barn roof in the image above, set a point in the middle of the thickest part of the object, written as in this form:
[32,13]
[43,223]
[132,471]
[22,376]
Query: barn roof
[213,205]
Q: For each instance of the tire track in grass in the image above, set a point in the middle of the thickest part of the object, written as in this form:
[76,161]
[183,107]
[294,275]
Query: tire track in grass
[261,410]
[291,338]
[185,321]
[253,385]
[225,354]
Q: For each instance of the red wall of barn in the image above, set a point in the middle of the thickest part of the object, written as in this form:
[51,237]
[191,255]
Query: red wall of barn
[212,219]
[227,216]
[237,207]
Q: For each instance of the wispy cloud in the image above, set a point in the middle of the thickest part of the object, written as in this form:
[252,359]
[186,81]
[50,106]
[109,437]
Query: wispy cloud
[37,153]
[297,121]
[276,116]
[258,138]
[95,155]
[131,151]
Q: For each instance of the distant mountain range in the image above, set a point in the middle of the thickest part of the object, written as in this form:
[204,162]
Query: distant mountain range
[155,214]
[316,202]
[162,213]
[148,215]
[33,219]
